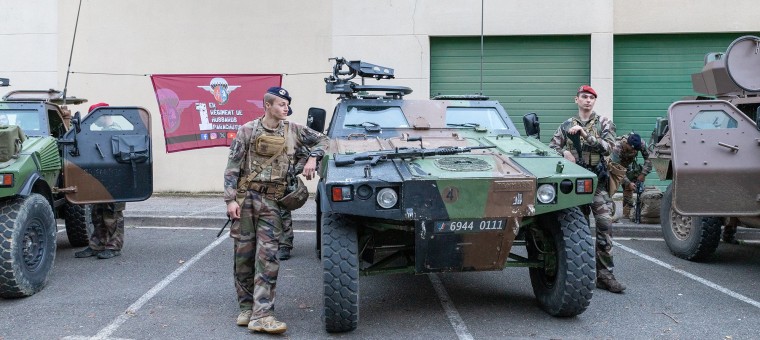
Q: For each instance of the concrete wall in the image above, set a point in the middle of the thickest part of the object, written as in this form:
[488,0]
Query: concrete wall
[120,42]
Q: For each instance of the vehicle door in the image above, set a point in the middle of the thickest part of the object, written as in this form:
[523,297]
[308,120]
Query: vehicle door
[111,159]
[716,159]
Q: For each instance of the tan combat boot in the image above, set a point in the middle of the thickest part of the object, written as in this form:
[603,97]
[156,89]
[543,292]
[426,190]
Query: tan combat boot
[268,324]
[605,280]
[244,318]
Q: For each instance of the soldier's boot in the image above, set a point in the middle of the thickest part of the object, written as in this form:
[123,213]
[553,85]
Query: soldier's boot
[607,281]
[283,253]
[108,253]
[729,235]
[268,324]
[626,211]
[244,318]
[87,252]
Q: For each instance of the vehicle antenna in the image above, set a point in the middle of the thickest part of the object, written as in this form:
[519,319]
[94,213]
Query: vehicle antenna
[481,46]
[71,53]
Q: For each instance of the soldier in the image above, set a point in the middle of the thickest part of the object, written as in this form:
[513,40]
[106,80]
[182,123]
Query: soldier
[624,154]
[107,237]
[254,181]
[596,134]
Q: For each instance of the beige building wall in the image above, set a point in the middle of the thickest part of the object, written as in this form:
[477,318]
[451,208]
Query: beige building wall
[119,43]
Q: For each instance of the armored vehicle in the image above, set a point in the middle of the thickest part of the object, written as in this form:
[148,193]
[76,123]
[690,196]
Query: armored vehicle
[709,147]
[51,166]
[443,185]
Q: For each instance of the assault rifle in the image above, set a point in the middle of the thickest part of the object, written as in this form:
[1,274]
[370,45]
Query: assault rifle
[402,153]
[639,191]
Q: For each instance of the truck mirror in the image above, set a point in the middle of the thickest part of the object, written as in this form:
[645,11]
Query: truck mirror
[532,126]
[316,119]
[76,121]
[660,128]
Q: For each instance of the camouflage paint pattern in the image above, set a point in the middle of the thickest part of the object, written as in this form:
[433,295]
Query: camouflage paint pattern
[108,223]
[484,186]
[286,241]
[255,254]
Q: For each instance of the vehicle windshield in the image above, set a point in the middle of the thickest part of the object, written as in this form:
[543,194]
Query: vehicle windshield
[359,117]
[470,117]
[28,120]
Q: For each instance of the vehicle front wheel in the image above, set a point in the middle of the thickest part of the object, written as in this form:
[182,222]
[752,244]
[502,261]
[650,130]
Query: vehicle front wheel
[78,226]
[693,238]
[27,245]
[340,262]
[565,283]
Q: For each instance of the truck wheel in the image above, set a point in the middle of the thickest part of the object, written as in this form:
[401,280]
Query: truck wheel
[693,238]
[340,262]
[27,245]
[78,224]
[563,243]
[318,244]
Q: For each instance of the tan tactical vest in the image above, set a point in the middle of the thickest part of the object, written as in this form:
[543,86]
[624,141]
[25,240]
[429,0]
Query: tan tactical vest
[593,128]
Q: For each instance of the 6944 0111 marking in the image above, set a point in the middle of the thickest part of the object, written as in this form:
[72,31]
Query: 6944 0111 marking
[468,226]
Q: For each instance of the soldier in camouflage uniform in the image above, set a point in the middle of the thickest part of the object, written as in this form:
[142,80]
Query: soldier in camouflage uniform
[254,181]
[597,136]
[286,240]
[107,236]
[625,152]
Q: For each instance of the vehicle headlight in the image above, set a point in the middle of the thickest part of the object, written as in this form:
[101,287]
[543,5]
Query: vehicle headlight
[546,193]
[387,198]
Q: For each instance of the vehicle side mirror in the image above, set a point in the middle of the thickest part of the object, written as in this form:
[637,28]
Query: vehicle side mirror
[76,122]
[660,128]
[757,117]
[532,126]
[316,119]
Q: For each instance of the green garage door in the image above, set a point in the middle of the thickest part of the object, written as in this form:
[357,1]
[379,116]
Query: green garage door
[653,71]
[526,74]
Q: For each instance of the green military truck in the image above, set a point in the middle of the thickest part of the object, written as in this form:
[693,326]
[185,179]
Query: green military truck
[443,185]
[52,165]
[709,147]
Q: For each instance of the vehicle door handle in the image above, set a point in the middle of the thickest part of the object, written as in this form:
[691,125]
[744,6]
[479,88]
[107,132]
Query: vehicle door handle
[734,148]
[97,146]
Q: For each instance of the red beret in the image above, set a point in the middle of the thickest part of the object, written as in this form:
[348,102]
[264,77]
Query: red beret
[95,106]
[586,88]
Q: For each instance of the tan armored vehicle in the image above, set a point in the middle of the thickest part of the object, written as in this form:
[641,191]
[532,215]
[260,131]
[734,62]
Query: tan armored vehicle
[709,146]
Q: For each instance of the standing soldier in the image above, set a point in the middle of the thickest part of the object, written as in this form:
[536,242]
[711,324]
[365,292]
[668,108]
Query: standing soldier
[594,138]
[255,181]
[624,156]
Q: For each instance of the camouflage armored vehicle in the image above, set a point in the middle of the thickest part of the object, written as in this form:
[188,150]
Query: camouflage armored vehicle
[444,185]
[709,146]
[52,166]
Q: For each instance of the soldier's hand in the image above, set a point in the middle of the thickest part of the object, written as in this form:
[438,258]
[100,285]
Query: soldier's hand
[233,210]
[632,186]
[310,168]
[641,178]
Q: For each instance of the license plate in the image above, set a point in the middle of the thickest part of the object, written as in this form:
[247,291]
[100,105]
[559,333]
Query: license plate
[468,226]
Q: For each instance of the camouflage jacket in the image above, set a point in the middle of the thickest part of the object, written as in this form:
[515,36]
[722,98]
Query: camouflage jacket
[598,144]
[628,160]
[239,163]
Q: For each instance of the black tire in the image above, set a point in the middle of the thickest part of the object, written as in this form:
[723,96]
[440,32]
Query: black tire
[340,262]
[78,225]
[565,285]
[318,243]
[27,247]
[693,238]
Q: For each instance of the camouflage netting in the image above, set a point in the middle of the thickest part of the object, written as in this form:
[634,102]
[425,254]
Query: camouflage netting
[650,205]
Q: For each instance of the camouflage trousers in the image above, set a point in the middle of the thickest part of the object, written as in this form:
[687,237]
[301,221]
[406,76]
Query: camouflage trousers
[286,240]
[108,223]
[628,202]
[602,210]
[256,239]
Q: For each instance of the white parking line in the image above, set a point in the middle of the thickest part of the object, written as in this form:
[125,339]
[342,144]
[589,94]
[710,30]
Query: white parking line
[703,281]
[132,310]
[451,312]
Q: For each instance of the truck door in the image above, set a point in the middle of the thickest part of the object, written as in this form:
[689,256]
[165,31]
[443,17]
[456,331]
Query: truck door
[716,159]
[111,160]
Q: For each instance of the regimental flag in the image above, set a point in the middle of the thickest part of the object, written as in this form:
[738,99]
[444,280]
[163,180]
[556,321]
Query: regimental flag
[204,110]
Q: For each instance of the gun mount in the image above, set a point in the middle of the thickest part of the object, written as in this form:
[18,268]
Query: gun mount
[733,73]
[5,82]
[344,71]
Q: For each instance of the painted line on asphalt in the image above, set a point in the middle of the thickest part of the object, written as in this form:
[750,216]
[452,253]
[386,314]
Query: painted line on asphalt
[701,280]
[204,228]
[132,310]
[451,312]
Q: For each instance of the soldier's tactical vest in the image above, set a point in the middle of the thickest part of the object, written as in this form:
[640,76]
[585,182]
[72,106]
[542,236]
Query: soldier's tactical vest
[593,128]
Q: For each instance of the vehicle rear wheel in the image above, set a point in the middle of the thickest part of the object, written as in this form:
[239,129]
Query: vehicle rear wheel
[693,238]
[340,262]
[562,241]
[27,245]
[78,225]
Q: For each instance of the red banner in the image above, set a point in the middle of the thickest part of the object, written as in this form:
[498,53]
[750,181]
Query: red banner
[203,111]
